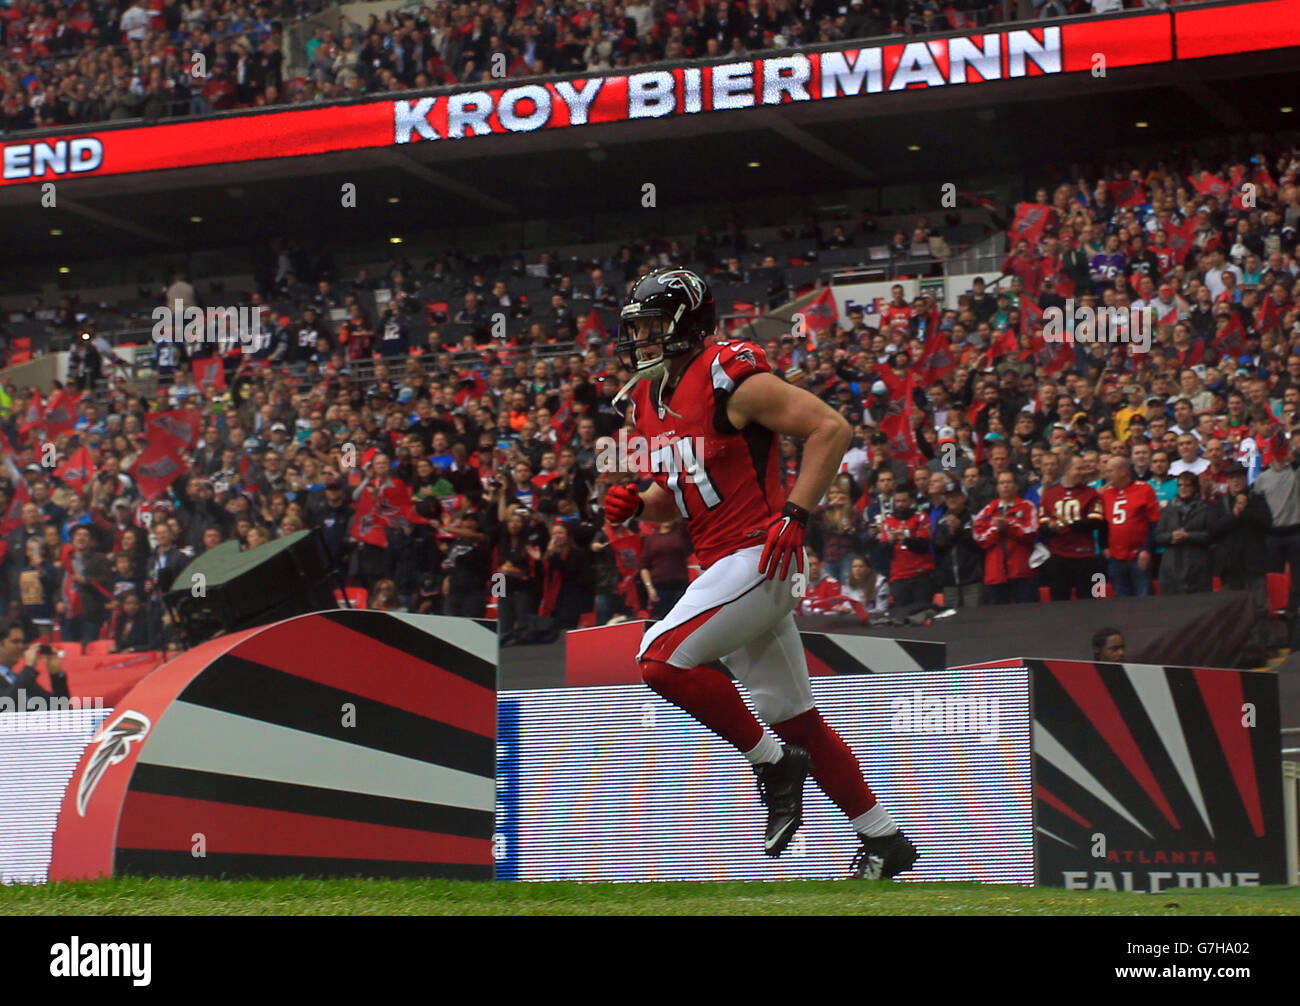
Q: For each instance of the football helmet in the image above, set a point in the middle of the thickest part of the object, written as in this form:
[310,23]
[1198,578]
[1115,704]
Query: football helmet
[669,313]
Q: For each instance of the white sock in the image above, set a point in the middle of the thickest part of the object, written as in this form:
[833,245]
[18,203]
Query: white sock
[765,752]
[875,823]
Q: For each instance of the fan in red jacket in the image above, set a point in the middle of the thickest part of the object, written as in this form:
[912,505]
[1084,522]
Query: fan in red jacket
[912,583]
[824,594]
[1006,530]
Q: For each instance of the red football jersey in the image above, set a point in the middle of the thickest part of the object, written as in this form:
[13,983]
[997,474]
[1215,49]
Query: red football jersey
[1130,512]
[726,482]
[903,562]
[891,313]
[1067,506]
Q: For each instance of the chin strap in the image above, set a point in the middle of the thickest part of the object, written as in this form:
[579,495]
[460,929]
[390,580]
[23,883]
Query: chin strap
[657,370]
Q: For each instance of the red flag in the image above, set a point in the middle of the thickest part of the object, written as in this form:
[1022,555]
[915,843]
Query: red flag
[181,426]
[472,385]
[590,327]
[1030,222]
[1208,184]
[208,373]
[902,438]
[564,421]
[1050,358]
[396,507]
[366,525]
[819,314]
[938,360]
[1000,346]
[14,515]
[247,483]
[1030,314]
[1181,239]
[156,469]
[901,390]
[60,412]
[981,201]
[1127,193]
[1267,315]
[34,416]
[626,547]
[1232,340]
[1192,355]
[78,470]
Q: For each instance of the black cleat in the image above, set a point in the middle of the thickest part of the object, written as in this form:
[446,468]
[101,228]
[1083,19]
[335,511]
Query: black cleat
[883,858]
[780,787]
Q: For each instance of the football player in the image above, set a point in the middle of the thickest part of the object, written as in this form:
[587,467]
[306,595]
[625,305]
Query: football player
[717,413]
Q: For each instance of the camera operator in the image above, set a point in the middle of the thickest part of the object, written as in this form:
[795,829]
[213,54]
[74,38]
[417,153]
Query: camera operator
[15,683]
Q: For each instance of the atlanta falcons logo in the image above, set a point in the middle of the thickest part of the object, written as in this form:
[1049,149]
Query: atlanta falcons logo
[173,428]
[746,355]
[163,468]
[114,745]
[686,281]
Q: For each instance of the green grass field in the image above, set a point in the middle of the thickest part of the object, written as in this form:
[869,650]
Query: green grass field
[434,897]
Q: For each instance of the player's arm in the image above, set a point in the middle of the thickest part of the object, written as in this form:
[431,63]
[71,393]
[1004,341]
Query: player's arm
[659,504]
[792,412]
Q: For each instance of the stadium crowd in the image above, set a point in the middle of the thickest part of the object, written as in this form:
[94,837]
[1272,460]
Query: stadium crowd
[88,61]
[988,464]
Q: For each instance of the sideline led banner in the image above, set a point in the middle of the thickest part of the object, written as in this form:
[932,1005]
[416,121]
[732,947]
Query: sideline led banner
[38,753]
[823,75]
[613,783]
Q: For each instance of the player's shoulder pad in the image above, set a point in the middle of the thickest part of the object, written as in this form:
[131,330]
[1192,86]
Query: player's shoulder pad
[733,361]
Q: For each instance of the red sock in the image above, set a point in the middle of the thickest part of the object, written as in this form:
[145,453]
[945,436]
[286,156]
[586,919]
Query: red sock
[707,695]
[834,765]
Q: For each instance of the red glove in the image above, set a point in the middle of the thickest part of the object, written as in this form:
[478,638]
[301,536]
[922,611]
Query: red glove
[784,542]
[622,503]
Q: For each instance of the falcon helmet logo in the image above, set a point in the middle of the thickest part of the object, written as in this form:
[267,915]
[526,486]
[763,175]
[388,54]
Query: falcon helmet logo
[114,745]
[687,282]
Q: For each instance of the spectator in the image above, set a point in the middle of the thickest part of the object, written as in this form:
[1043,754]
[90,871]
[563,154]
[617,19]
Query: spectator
[568,587]
[823,594]
[1242,520]
[1071,519]
[466,565]
[664,572]
[38,587]
[866,589]
[19,686]
[1108,646]
[384,597]
[960,560]
[1131,510]
[911,566]
[1006,529]
[1186,532]
[518,562]
[130,627]
[835,530]
[1279,484]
